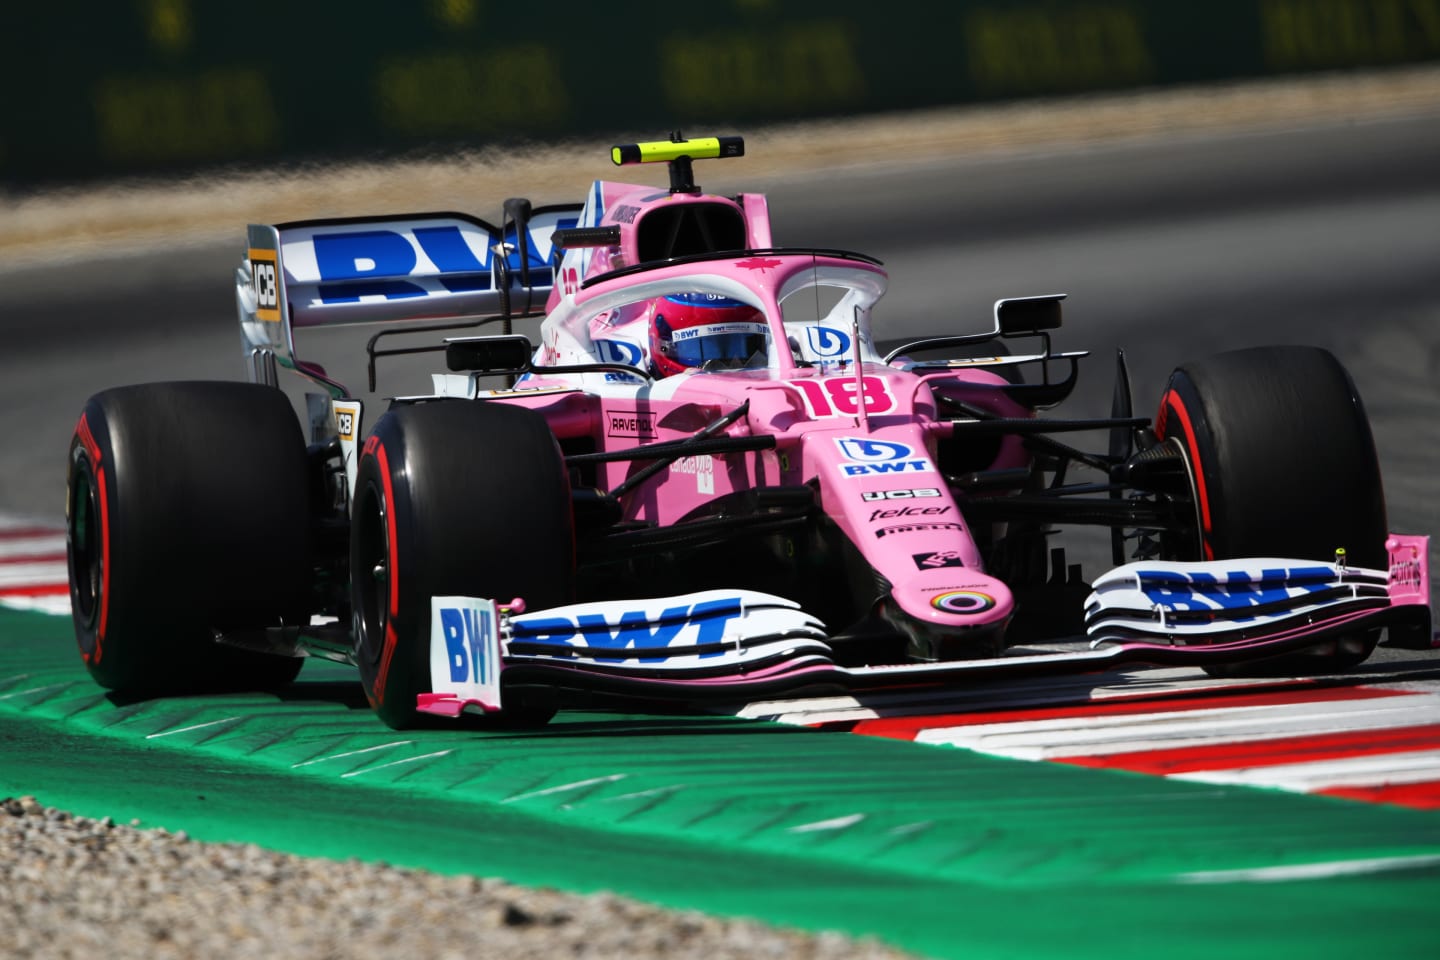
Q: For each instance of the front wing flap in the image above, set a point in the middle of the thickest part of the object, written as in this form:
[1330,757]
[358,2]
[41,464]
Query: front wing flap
[728,645]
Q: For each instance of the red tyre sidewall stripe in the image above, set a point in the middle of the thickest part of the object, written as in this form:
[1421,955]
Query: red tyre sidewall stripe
[1172,400]
[104,565]
[92,449]
[392,554]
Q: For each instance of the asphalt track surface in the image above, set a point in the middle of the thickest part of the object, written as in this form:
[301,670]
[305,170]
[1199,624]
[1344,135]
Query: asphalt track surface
[1171,250]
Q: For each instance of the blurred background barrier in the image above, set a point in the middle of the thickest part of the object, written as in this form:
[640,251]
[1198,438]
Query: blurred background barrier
[134,87]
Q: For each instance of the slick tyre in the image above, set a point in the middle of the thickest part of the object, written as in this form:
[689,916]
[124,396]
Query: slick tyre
[186,514]
[1283,465]
[452,498]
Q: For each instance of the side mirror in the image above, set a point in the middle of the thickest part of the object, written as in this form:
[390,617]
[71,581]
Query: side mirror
[1017,316]
[507,354]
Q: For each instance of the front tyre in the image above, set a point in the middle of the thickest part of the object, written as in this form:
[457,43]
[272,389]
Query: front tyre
[186,515]
[1283,465]
[452,497]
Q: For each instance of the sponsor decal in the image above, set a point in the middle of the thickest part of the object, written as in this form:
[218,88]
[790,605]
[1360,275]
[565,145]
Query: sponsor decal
[962,601]
[937,559]
[870,458]
[345,424]
[686,625]
[264,282]
[619,351]
[631,423]
[1405,573]
[1230,590]
[622,378]
[907,512]
[465,655]
[826,342]
[871,495]
[624,213]
[916,528]
[469,637]
[841,396]
[713,329]
[384,256]
[703,467]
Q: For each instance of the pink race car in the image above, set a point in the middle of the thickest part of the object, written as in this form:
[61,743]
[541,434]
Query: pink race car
[706,482]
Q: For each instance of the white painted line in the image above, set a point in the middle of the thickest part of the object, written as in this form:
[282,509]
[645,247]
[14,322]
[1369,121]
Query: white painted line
[566,787]
[1039,692]
[1098,736]
[31,546]
[49,686]
[197,726]
[1309,871]
[10,522]
[395,763]
[656,792]
[1380,769]
[56,605]
[351,753]
[34,574]
[838,823]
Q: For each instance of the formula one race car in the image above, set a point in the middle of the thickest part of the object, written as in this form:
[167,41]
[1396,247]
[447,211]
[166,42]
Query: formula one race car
[706,482]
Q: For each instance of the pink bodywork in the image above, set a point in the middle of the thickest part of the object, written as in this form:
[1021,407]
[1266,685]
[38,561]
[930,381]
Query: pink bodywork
[873,467]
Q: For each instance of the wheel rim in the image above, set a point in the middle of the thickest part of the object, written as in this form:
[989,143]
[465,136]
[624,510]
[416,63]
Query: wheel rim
[85,548]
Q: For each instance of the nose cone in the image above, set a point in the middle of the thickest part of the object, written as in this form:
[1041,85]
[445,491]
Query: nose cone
[956,598]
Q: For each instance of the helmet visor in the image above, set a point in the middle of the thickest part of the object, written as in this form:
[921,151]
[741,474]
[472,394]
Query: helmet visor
[731,344]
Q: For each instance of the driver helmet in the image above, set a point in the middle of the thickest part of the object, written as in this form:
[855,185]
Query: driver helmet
[704,331]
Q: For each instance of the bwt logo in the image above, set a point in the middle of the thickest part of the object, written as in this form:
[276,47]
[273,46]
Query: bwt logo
[1206,592]
[825,342]
[619,351]
[878,457]
[468,641]
[383,255]
[863,450]
[705,623]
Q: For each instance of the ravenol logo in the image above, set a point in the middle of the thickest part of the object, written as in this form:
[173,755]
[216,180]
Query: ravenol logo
[645,632]
[468,641]
[876,457]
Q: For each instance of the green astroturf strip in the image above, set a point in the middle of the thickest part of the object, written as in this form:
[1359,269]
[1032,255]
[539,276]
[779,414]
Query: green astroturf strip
[935,850]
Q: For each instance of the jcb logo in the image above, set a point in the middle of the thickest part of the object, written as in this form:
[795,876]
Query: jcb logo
[924,492]
[263,281]
[345,425]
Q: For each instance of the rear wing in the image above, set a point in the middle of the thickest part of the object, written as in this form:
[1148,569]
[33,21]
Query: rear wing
[423,267]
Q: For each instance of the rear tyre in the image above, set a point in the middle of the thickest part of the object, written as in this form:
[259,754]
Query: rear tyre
[452,498]
[186,513]
[1283,465]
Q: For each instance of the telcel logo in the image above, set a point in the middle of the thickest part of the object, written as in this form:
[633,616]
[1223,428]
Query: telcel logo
[908,512]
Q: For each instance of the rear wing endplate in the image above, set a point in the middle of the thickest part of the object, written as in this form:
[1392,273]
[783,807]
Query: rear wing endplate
[413,267]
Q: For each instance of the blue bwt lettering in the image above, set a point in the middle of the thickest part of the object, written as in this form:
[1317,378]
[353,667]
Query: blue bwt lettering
[467,640]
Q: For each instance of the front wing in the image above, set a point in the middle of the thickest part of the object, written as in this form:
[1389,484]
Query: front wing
[719,645]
